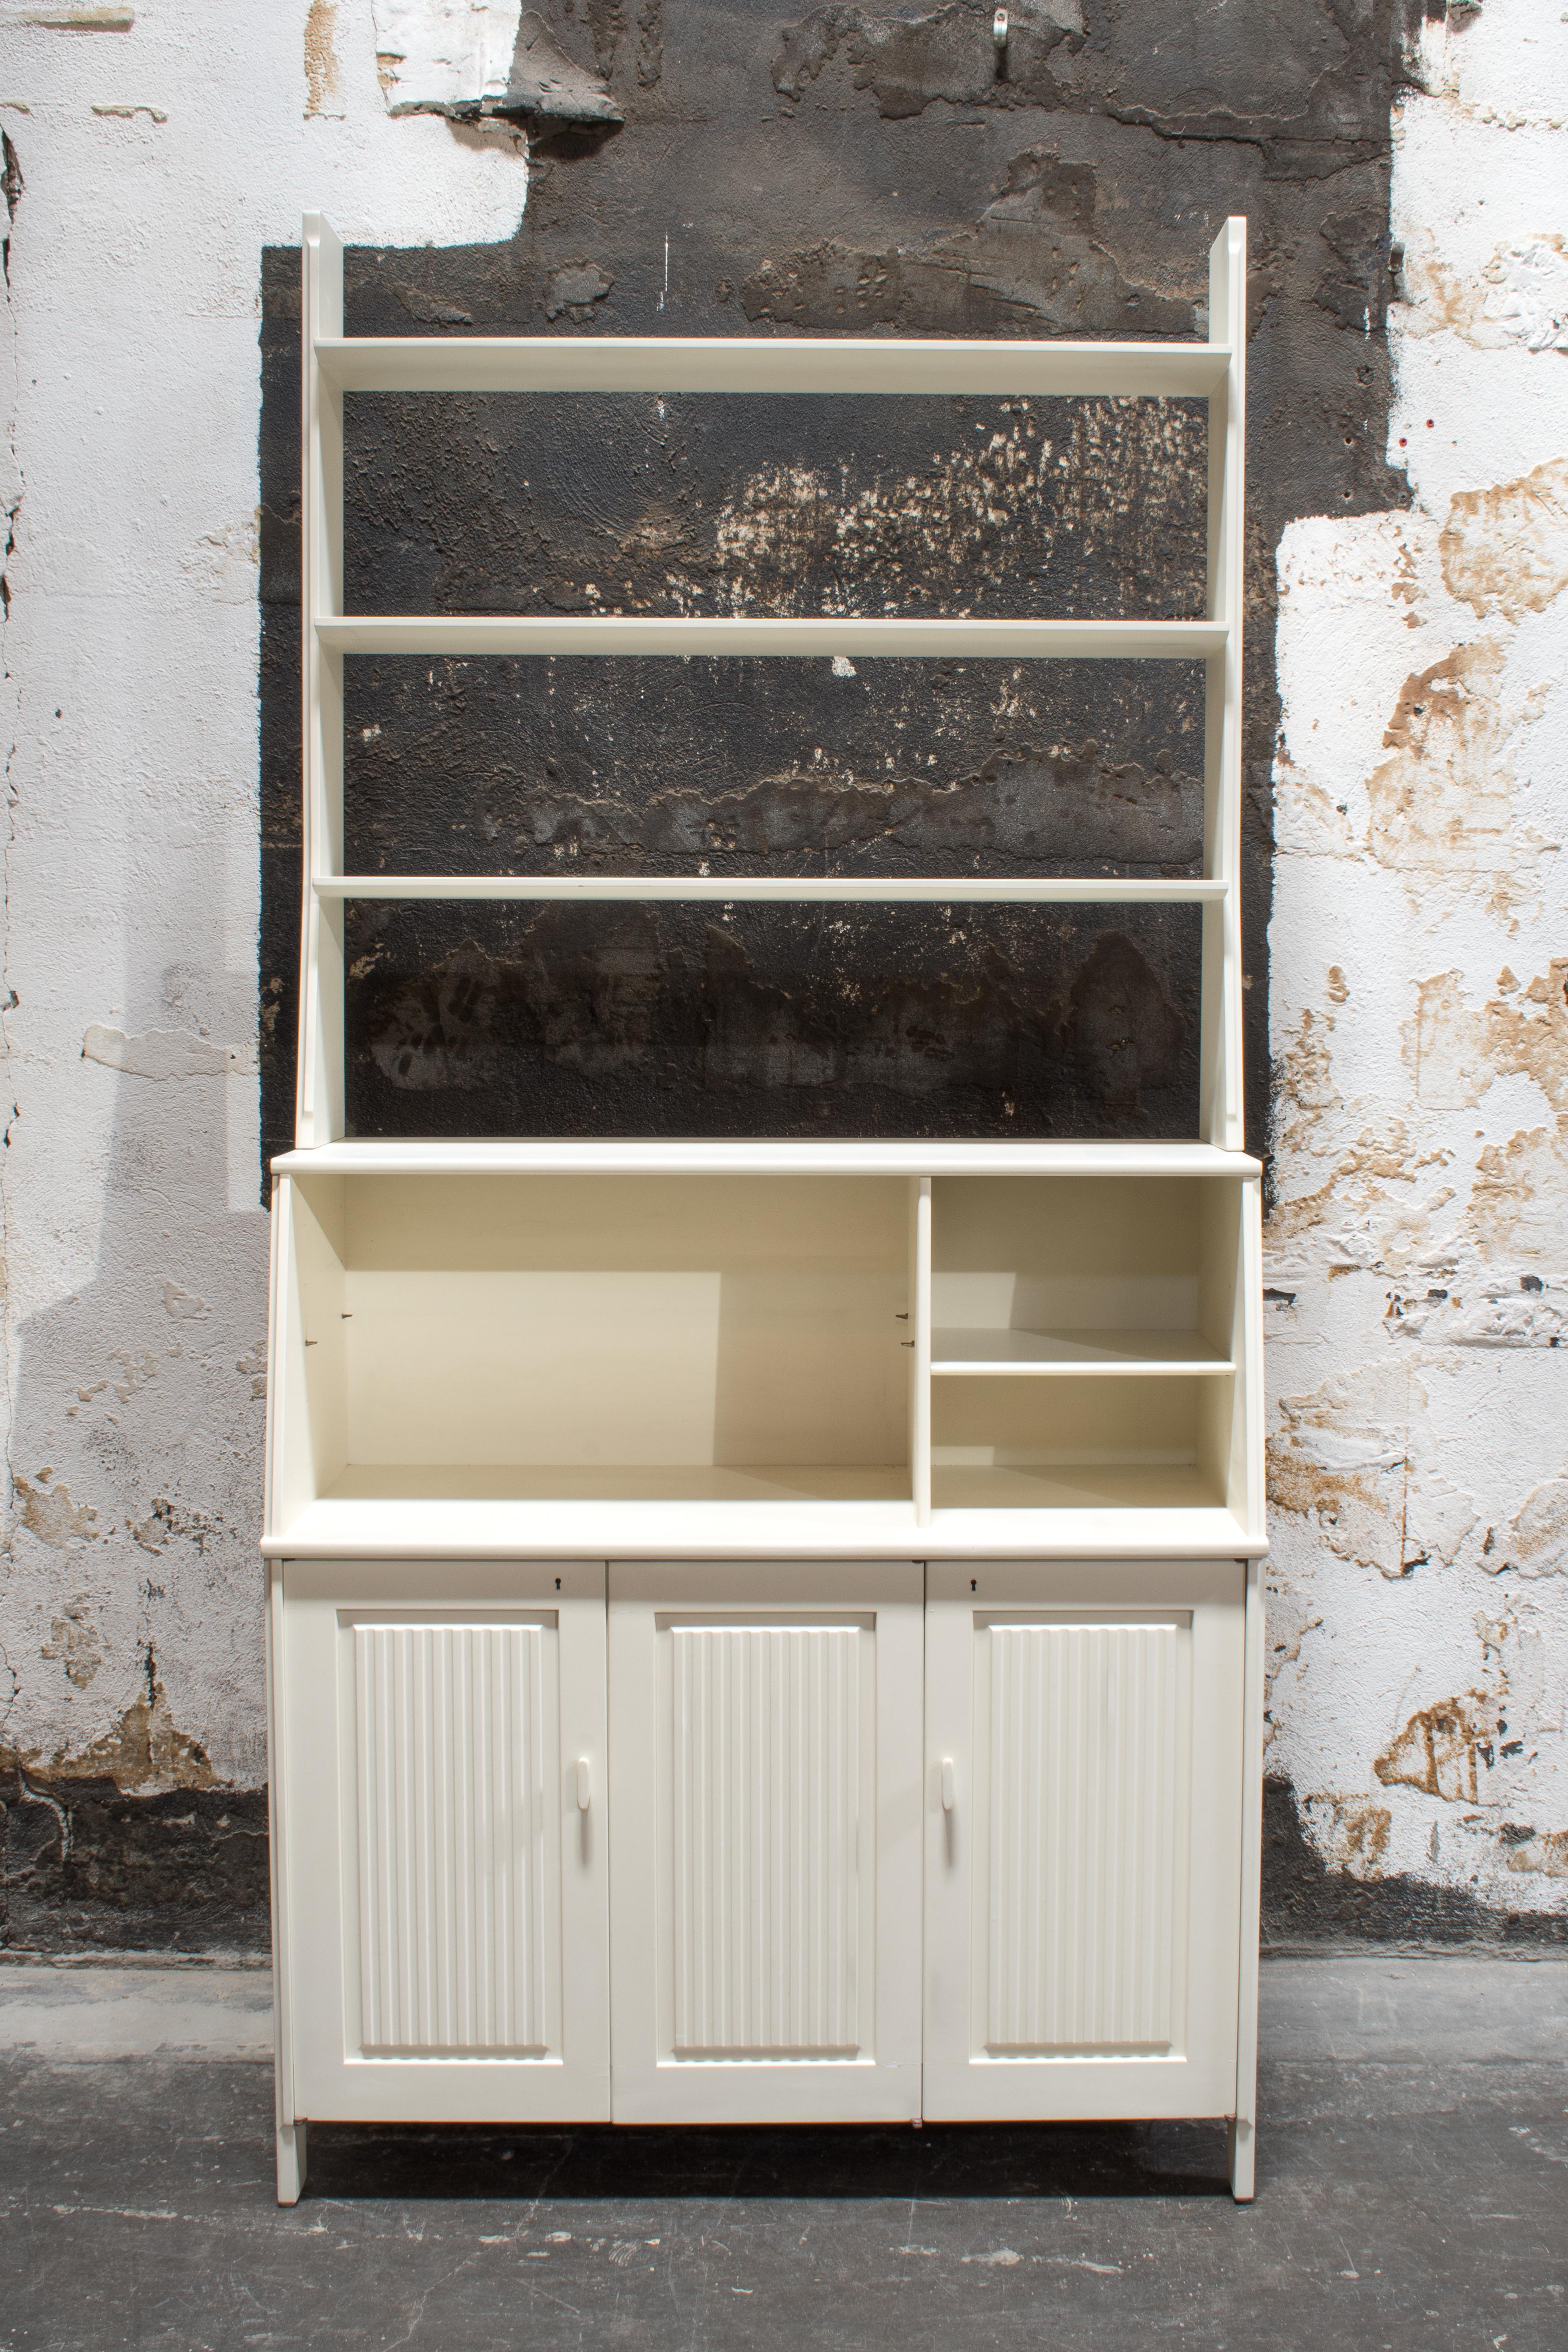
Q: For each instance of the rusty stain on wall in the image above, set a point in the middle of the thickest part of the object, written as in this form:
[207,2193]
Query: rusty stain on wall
[1505,550]
[74,1641]
[47,1511]
[323,75]
[1354,1832]
[1444,1750]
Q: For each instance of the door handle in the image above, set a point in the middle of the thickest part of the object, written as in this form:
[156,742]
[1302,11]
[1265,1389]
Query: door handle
[947,1784]
[584,1785]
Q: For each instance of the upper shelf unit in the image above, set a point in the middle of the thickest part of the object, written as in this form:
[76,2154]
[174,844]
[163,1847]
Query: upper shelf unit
[334,364]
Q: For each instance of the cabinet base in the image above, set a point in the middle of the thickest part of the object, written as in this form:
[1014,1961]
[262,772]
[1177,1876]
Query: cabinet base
[293,2141]
[1241,2141]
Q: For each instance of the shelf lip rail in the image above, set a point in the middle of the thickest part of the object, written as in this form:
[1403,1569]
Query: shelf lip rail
[764,365]
[1061,891]
[679,636]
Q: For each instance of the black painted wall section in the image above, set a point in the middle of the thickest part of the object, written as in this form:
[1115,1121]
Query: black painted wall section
[843,170]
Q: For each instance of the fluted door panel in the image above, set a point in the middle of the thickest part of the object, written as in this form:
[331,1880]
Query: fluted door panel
[1083,1775]
[766,1772]
[455,1798]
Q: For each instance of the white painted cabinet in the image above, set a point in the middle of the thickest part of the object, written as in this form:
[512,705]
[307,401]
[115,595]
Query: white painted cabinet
[1083,1811]
[892,1508]
[765,1861]
[445,1842]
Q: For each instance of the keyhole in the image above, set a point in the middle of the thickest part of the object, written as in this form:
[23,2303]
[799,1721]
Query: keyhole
[558,1584]
[974,1587]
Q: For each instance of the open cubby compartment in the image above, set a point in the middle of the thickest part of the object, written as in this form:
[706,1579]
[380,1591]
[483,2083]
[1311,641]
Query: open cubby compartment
[1020,1444]
[542,1336]
[1090,1342]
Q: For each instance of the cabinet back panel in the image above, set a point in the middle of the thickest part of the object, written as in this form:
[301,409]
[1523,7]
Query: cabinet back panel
[1062,1422]
[639,1223]
[589,1321]
[1066,1252]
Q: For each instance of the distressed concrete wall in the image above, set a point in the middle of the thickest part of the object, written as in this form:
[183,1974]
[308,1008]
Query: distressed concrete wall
[1418,1249]
[147,168]
[827,169]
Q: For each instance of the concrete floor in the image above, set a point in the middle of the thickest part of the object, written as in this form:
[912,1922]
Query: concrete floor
[1413,2196]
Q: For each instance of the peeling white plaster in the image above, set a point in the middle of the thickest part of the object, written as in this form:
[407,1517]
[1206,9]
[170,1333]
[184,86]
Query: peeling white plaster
[1417,1260]
[164,1054]
[441,55]
[135,1245]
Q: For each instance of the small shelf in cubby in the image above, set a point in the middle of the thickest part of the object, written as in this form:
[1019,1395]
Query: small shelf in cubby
[987,1352]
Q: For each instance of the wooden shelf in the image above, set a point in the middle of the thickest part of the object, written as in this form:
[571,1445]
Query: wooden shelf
[984,1516]
[676,1155]
[985,1353]
[1163,1490]
[736,889]
[659,1482]
[765,366]
[474,635]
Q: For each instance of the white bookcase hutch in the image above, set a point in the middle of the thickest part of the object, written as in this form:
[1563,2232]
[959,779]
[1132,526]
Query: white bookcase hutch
[765,1630]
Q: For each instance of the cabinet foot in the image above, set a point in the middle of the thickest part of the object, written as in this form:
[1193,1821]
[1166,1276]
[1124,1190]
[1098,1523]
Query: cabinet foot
[1241,2139]
[292,2162]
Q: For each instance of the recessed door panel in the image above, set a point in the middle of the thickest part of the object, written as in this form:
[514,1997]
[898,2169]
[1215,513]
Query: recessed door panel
[766,1867]
[449,1851]
[1081,1822]
[1083,1804]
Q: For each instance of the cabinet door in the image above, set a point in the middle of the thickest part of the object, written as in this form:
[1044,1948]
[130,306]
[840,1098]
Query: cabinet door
[765,1756]
[1083,1839]
[447,1850]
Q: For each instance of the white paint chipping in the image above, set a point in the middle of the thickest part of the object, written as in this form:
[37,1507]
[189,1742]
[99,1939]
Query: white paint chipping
[1417,1263]
[445,56]
[164,1054]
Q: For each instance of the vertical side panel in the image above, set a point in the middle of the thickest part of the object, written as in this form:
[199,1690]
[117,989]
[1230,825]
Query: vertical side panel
[1083,1778]
[319,1116]
[920,1359]
[458,1931]
[766,1839]
[1244,2127]
[1220,1108]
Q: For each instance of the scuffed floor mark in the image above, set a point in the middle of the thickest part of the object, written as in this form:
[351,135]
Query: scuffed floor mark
[1357,1456]
[910,63]
[164,1054]
[1505,550]
[48,1512]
